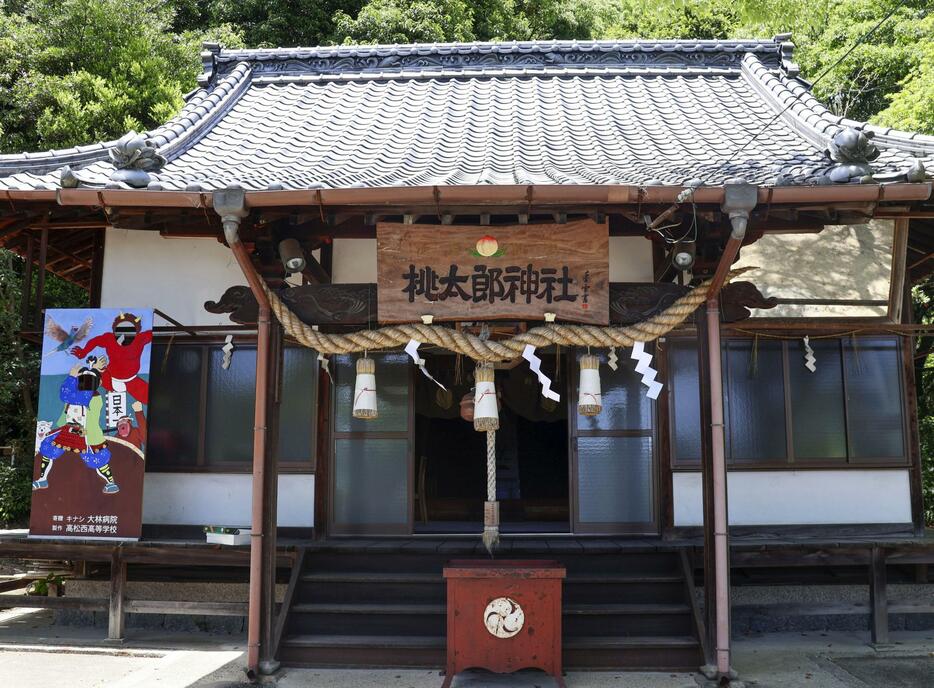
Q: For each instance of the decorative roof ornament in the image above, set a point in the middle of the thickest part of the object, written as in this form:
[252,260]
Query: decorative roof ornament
[134,157]
[852,150]
[916,172]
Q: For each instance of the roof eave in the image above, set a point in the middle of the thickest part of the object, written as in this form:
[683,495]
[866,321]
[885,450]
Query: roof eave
[511,195]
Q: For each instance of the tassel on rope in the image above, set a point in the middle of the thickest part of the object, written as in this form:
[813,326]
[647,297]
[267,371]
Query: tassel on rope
[364,392]
[485,411]
[589,400]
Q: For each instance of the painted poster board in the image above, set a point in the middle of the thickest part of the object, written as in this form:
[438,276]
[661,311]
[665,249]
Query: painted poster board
[513,272]
[91,424]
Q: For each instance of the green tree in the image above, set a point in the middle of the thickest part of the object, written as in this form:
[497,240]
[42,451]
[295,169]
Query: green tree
[77,71]
[716,19]
[407,21]
[271,23]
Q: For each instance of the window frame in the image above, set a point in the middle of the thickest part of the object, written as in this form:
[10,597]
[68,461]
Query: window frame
[205,344]
[575,433]
[791,461]
[334,527]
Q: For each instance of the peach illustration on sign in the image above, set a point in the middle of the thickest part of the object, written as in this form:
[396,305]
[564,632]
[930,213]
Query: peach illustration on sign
[488,247]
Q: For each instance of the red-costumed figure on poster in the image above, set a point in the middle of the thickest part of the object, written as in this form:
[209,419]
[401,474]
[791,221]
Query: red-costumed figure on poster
[124,345]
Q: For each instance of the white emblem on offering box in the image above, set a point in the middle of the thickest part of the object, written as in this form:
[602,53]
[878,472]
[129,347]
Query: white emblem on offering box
[503,617]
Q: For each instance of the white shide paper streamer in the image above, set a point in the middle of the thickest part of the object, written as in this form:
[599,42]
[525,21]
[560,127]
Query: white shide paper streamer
[645,369]
[324,360]
[412,350]
[612,359]
[535,364]
[228,351]
[810,360]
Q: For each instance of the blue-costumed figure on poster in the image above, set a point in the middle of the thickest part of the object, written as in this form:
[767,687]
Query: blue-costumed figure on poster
[78,429]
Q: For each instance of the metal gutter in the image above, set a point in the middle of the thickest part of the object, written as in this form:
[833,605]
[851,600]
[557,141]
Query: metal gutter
[511,195]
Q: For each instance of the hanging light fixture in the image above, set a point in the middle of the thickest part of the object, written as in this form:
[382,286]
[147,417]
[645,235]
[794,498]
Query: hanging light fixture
[683,255]
[485,412]
[589,400]
[364,392]
[292,255]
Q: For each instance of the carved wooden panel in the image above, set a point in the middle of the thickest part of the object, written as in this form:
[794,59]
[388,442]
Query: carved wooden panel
[356,304]
[315,304]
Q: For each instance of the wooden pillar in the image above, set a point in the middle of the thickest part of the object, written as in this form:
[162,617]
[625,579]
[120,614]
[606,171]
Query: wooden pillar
[710,597]
[117,616]
[878,598]
[908,346]
[26,314]
[323,456]
[97,270]
[39,321]
[267,659]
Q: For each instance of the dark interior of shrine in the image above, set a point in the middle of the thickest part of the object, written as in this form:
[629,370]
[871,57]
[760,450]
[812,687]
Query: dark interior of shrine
[531,451]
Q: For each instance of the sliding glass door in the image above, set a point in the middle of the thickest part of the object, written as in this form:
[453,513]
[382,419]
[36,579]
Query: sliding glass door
[613,466]
[371,476]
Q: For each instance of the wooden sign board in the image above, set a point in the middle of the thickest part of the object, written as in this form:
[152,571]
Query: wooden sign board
[515,272]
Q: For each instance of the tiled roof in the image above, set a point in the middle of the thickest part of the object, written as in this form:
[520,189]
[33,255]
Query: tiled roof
[559,112]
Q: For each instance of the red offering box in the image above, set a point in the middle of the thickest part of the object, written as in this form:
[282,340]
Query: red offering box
[504,616]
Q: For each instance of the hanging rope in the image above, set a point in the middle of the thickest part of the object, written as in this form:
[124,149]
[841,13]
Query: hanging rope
[491,508]
[488,350]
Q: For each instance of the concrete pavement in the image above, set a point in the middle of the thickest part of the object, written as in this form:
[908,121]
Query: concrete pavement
[37,654]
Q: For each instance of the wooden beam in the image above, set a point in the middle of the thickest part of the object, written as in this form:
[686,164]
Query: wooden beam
[878,598]
[185,607]
[314,272]
[117,616]
[294,581]
[349,305]
[83,604]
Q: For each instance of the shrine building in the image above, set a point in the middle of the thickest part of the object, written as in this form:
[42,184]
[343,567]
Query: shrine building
[640,308]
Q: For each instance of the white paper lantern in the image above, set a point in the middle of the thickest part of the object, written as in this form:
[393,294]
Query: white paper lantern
[589,400]
[485,412]
[364,392]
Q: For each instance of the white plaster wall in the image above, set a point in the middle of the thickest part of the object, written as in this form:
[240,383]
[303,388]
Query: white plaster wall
[631,260]
[175,275]
[801,497]
[222,499]
[355,260]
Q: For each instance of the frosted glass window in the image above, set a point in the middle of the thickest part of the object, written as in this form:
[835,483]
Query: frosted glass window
[625,404]
[231,392]
[392,394]
[817,408]
[297,418]
[174,417]
[371,479]
[615,480]
[874,398]
[685,401]
[756,401]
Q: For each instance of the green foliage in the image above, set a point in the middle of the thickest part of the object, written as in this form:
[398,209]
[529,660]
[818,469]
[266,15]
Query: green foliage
[911,107]
[272,23]
[716,19]
[43,585]
[15,493]
[407,21]
[76,71]
[19,373]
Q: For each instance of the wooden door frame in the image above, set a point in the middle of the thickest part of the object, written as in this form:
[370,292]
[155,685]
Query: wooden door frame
[333,436]
[640,528]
